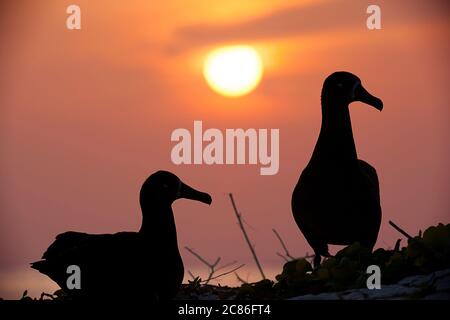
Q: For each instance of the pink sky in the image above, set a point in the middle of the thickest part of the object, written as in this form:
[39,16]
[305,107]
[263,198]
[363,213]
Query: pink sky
[87,115]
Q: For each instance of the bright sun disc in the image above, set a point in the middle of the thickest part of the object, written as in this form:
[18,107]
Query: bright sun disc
[233,71]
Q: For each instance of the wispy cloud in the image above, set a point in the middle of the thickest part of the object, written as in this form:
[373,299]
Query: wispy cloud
[318,17]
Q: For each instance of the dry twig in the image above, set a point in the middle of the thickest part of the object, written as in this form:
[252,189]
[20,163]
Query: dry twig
[240,279]
[252,249]
[286,252]
[212,267]
[396,227]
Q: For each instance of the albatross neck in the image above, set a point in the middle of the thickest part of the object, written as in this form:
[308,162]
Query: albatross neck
[158,223]
[335,142]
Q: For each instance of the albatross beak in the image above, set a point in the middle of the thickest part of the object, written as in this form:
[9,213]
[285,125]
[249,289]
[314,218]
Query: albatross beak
[190,193]
[363,95]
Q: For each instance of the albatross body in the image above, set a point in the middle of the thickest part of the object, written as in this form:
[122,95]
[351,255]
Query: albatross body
[127,265]
[337,198]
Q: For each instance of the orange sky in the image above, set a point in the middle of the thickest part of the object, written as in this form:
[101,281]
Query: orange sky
[86,115]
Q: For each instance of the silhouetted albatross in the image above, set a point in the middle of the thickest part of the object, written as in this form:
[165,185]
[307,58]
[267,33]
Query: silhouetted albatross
[130,265]
[337,198]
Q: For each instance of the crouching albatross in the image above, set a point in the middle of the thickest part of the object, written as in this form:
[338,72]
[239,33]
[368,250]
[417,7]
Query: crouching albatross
[130,265]
[337,198]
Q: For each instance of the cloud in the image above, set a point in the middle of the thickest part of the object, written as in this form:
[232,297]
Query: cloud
[318,17]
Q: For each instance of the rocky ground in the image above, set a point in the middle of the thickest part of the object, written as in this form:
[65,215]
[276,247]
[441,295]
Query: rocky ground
[434,286]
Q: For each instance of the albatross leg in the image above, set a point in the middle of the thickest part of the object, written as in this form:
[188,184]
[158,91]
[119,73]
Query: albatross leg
[317,259]
[320,250]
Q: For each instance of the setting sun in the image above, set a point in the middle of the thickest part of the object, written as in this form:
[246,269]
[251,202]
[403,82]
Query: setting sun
[233,71]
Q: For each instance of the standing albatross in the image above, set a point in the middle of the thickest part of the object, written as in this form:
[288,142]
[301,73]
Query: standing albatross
[337,198]
[131,265]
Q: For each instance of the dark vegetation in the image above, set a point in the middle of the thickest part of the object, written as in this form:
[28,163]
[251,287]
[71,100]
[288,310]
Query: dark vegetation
[423,254]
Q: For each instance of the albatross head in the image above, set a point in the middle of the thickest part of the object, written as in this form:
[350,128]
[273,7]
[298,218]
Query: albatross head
[165,187]
[343,88]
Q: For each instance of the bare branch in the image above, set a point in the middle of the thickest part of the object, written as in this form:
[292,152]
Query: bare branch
[400,230]
[195,254]
[192,276]
[228,272]
[226,265]
[286,252]
[239,278]
[252,249]
[217,261]
[397,245]
[283,256]
[211,266]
